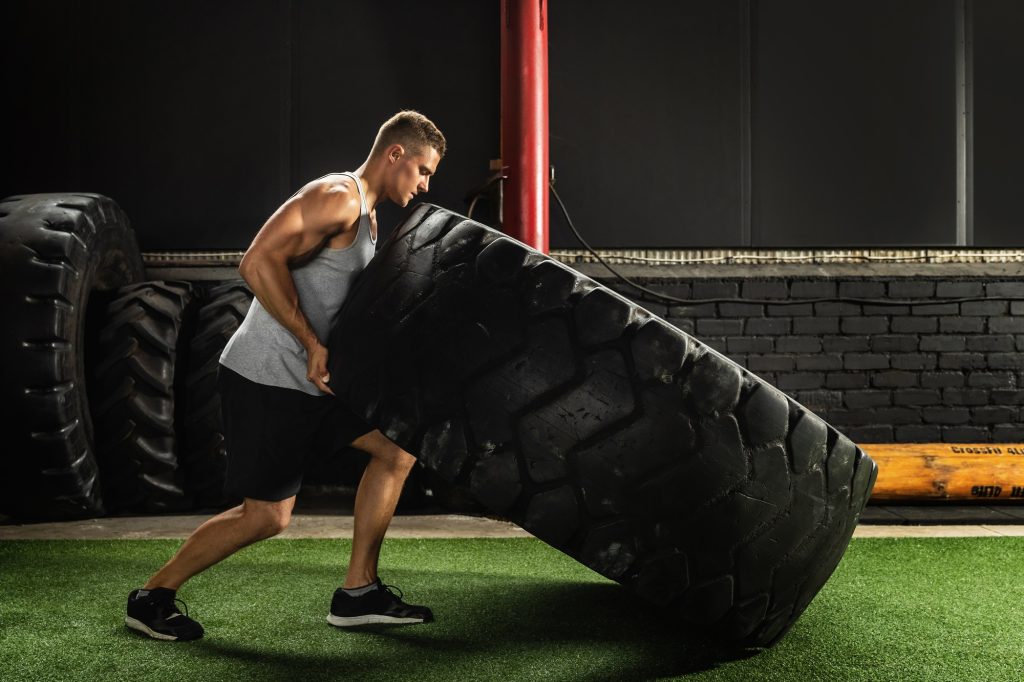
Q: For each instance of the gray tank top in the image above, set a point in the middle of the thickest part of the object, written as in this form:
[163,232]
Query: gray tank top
[262,350]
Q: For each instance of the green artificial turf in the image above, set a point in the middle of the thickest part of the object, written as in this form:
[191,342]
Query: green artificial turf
[512,609]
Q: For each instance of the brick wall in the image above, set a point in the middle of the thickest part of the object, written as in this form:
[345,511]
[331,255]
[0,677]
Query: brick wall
[934,369]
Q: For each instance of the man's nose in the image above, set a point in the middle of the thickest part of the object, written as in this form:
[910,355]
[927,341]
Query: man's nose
[425,185]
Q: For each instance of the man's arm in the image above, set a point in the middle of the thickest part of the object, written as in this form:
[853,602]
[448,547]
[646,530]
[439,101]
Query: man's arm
[300,226]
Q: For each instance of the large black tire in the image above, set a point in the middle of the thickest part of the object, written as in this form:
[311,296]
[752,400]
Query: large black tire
[598,427]
[204,458]
[138,368]
[59,253]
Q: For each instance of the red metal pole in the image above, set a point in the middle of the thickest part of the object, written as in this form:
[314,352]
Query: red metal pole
[524,120]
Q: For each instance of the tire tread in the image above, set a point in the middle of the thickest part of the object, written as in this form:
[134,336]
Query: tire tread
[656,460]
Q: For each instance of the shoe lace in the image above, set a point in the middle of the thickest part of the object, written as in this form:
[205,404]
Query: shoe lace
[179,601]
[171,605]
[392,589]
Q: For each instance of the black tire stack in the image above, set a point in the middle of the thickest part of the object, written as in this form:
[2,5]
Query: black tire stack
[136,372]
[60,256]
[109,380]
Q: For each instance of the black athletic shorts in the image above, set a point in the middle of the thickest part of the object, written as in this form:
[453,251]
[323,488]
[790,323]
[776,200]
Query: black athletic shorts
[271,434]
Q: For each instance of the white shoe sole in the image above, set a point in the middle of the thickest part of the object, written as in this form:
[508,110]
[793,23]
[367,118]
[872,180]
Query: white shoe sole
[143,628]
[368,619]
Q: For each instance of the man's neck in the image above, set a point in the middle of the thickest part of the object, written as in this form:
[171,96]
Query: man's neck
[372,176]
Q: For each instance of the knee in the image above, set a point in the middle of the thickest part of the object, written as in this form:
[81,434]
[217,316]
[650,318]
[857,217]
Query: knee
[269,520]
[391,455]
[276,525]
[400,461]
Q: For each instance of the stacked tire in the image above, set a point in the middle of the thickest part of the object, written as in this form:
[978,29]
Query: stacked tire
[136,373]
[110,380]
[160,440]
[110,393]
[61,257]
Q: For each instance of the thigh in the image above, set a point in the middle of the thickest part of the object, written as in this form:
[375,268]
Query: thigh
[382,448]
[340,427]
[269,434]
[372,441]
[270,509]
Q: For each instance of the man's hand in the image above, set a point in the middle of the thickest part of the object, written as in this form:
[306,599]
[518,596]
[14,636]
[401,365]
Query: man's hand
[316,367]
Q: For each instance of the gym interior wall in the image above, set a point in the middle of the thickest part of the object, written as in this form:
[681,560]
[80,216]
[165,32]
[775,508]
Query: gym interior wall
[201,118]
[726,124]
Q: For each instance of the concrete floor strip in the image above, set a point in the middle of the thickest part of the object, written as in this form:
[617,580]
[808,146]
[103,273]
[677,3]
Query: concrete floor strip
[302,526]
[938,531]
[427,526]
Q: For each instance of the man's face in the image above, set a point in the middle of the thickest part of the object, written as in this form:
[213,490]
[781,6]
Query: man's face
[411,173]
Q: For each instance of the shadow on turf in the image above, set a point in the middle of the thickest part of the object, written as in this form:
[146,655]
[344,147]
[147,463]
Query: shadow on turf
[542,619]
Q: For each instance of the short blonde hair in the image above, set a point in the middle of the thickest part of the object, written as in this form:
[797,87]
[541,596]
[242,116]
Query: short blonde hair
[411,129]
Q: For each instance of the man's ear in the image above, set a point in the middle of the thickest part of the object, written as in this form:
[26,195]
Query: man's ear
[395,152]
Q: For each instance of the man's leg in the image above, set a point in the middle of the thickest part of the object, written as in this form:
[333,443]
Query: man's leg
[363,599]
[152,610]
[376,498]
[222,536]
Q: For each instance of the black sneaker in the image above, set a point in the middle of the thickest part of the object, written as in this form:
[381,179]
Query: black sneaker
[377,606]
[154,613]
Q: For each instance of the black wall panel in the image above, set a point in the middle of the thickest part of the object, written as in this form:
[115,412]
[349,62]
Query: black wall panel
[645,122]
[853,123]
[201,117]
[187,131]
[359,63]
[177,115]
[998,122]
[40,67]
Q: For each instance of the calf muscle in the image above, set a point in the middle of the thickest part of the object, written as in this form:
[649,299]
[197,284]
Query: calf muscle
[221,536]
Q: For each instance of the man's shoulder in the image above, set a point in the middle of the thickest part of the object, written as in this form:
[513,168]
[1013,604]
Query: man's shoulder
[332,185]
[333,194]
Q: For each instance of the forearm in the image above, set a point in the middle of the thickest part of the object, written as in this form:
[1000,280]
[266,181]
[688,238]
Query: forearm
[272,284]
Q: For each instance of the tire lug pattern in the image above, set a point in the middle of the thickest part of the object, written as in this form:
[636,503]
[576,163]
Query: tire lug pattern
[60,258]
[137,444]
[552,515]
[548,287]
[495,481]
[658,351]
[599,427]
[609,549]
[601,316]
[500,260]
[765,417]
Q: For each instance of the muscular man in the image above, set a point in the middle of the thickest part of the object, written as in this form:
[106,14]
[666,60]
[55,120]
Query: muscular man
[275,388]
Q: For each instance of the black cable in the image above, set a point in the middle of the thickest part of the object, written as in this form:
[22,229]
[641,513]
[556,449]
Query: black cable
[752,301]
[603,261]
[478,192]
[472,205]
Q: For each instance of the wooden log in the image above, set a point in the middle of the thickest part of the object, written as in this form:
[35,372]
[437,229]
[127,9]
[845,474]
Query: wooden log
[955,472]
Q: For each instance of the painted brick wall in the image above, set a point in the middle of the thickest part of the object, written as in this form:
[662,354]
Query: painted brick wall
[936,369]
